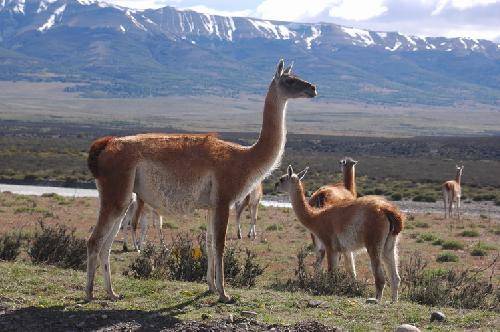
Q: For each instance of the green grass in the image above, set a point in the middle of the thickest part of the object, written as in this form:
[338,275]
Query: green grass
[21,285]
[452,245]
[447,257]
[470,233]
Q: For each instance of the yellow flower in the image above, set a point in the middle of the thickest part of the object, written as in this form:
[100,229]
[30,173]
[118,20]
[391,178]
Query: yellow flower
[197,253]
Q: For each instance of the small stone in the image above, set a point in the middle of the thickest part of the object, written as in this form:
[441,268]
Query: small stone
[407,328]
[314,303]
[371,300]
[81,324]
[230,318]
[205,316]
[104,316]
[437,316]
[78,305]
[247,313]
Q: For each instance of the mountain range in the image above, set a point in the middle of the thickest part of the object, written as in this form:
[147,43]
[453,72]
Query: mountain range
[107,50]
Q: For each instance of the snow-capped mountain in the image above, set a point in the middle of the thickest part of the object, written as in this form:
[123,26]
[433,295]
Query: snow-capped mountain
[95,40]
[43,15]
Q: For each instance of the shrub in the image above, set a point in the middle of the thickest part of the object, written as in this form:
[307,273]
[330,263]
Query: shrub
[56,245]
[446,257]
[320,282]
[428,237]
[484,197]
[424,198]
[470,233]
[452,245]
[10,245]
[437,242]
[274,227]
[185,259]
[459,289]
[396,197]
[421,224]
[478,252]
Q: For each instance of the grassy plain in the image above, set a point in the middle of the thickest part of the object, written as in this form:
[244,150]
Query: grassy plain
[55,294]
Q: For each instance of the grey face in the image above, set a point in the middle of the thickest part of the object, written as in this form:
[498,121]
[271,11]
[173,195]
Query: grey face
[285,181]
[290,85]
[347,163]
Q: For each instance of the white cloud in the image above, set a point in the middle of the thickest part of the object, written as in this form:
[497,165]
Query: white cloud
[358,10]
[292,10]
[212,11]
[460,4]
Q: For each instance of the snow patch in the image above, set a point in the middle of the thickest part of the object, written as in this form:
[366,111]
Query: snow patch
[122,29]
[396,46]
[19,7]
[52,19]
[134,20]
[315,33]
[463,43]
[382,34]
[359,34]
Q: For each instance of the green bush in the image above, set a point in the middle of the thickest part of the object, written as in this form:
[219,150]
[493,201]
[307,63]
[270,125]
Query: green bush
[428,237]
[396,197]
[437,242]
[470,233]
[274,227]
[10,245]
[56,245]
[438,287]
[484,197]
[447,257]
[424,198]
[320,282]
[421,224]
[185,259]
[478,252]
[452,245]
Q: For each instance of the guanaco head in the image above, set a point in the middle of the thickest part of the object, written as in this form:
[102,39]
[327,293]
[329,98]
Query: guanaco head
[347,163]
[459,169]
[290,180]
[291,86]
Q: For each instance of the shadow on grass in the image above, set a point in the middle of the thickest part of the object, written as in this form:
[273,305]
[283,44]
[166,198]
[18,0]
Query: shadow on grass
[60,318]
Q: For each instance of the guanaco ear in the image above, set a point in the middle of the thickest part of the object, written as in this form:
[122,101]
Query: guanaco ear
[289,170]
[279,69]
[303,173]
[288,69]
[355,162]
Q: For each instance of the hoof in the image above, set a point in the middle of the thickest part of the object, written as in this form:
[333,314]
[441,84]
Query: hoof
[89,298]
[239,236]
[226,299]
[115,297]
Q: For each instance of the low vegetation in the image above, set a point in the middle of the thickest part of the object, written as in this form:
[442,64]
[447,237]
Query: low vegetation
[57,245]
[321,282]
[10,245]
[185,259]
[446,257]
[447,287]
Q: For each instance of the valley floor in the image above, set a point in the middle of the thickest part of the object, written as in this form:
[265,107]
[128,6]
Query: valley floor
[46,297]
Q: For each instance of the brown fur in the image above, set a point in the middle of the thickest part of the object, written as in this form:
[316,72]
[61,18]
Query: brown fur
[368,222]
[159,166]
[95,150]
[452,192]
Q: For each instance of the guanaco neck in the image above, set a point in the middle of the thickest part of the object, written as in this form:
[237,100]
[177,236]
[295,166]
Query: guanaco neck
[350,180]
[305,213]
[269,147]
[458,176]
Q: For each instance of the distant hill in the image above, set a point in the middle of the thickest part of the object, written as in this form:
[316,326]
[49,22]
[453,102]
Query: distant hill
[115,51]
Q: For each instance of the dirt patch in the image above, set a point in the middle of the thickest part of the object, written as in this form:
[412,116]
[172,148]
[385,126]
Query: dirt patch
[58,319]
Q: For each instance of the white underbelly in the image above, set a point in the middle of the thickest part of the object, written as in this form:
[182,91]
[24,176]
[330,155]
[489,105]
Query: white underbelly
[172,194]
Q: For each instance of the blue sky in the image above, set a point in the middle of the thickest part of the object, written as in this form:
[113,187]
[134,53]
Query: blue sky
[450,18]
